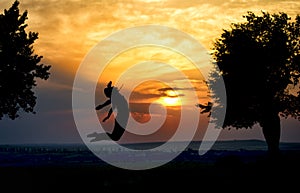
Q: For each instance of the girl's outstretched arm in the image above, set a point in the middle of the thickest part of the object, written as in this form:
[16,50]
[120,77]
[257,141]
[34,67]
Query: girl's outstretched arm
[103,105]
[108,115]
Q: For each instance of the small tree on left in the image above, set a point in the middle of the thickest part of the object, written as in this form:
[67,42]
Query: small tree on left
[19,66]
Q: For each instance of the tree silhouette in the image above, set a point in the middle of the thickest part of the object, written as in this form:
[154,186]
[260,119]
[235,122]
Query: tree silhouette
[260,61]
[19,66]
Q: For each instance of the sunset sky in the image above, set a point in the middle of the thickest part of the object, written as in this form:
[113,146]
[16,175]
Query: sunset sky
[69,29]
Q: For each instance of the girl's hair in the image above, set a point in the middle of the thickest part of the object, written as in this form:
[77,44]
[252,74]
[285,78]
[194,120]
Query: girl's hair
[109,88]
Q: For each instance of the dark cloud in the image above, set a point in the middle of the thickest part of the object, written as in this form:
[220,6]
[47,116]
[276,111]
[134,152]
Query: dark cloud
[144,96]
[165,89]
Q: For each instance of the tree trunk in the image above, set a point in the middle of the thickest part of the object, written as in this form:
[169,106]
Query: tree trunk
[271,130]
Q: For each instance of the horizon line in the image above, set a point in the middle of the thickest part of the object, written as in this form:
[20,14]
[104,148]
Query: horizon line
[134,143]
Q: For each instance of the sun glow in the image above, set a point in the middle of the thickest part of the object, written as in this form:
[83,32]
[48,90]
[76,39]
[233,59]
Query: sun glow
[170,101]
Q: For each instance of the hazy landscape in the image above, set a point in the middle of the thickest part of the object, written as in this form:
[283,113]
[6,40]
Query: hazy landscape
[33,155]
[73,167]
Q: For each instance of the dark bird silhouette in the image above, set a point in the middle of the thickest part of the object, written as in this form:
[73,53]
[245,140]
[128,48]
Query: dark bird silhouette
[206,108]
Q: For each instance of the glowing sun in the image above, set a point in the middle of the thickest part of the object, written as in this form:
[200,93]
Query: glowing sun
[171,99]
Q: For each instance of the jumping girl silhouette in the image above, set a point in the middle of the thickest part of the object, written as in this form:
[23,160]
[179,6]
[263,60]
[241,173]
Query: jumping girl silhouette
[119,103]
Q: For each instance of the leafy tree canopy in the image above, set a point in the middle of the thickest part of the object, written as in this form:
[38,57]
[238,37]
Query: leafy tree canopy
[259,61]
[19,66]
